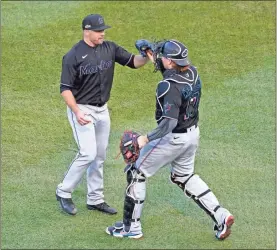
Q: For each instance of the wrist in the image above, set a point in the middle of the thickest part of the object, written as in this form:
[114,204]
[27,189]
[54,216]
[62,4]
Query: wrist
[146,138]
[75,109]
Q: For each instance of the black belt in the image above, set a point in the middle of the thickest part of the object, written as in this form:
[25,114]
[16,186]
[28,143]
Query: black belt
[97,104]
[183,130]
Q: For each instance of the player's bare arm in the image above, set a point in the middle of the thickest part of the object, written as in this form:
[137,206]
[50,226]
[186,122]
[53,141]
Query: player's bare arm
[140,61]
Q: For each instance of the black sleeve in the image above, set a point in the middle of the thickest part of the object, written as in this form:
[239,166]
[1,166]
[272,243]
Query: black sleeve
[69,72]
[64,87]
[122,56]
[165,126]
[172,102]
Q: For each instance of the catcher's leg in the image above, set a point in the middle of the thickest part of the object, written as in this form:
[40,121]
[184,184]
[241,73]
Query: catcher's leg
[194,187]
[133,204]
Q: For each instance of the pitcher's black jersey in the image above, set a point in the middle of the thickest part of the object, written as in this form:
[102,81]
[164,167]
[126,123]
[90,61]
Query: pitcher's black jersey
[178,97]
[88,71]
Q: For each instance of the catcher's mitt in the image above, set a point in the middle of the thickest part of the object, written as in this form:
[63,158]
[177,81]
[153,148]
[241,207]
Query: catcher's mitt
[129,147]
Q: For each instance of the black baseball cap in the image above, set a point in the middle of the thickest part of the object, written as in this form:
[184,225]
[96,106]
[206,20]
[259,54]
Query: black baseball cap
[94,22]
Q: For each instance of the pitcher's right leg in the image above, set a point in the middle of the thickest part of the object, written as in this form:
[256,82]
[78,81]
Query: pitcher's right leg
[85,139]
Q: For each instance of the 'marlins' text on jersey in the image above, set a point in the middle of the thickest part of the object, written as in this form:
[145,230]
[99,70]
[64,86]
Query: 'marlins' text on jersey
[91,69]
[178,96]
[88,71]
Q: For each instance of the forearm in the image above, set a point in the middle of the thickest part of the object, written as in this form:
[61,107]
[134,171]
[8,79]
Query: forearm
[165,127]
[140,61]
[70,100]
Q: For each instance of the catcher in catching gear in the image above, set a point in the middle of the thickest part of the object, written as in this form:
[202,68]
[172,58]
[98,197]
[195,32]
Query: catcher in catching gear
[174,142]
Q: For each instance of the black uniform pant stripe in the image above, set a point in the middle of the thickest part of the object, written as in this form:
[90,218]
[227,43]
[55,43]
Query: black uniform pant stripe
[75,130]
[78,143]
[71,165]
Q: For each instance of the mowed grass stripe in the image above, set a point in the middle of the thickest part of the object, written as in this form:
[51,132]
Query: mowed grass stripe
[233,186]
[37,143]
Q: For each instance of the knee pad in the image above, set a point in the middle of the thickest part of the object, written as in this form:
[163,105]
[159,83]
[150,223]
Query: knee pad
[194,187]
[134,197]
[179,180]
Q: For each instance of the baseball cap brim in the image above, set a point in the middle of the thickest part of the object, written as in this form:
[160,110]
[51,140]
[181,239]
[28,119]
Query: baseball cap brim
[101,28]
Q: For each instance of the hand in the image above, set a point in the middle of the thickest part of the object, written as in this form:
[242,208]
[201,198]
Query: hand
[142,141]
[142,45]
[149,53]
[82,118]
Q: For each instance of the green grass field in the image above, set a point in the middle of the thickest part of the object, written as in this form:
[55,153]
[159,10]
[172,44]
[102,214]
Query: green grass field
[232,43]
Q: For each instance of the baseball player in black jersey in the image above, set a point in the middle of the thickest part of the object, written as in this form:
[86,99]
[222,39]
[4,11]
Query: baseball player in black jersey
[174,142]
[86,81]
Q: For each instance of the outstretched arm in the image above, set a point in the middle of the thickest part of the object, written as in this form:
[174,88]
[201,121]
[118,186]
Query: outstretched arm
[144,48]
[140,61]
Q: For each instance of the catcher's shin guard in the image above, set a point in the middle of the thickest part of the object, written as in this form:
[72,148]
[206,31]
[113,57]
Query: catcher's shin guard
[194,187]
[134,198]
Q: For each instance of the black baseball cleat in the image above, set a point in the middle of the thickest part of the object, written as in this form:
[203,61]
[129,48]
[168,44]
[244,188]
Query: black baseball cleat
[67,205]
[117,230]
[103,207]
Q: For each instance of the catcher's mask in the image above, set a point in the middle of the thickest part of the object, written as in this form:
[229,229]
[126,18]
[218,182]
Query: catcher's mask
[173,50]
[157,55]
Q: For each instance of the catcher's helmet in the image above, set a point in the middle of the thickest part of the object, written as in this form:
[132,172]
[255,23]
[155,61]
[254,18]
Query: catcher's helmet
[176,51]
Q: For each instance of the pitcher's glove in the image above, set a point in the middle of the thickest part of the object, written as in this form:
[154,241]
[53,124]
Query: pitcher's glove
[129,147]
[142,45]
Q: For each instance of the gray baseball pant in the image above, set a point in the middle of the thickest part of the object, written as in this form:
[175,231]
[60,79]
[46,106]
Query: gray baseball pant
[179,151]
[92,141]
